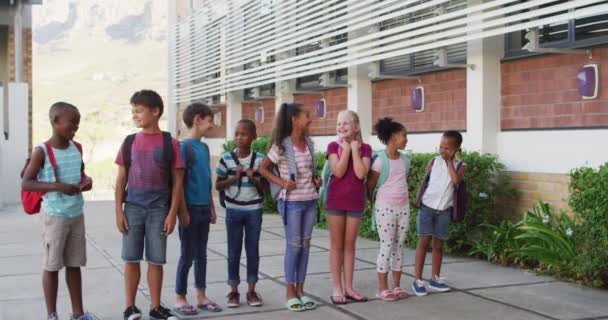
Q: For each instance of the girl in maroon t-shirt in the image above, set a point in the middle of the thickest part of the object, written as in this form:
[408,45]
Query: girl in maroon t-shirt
[349,159]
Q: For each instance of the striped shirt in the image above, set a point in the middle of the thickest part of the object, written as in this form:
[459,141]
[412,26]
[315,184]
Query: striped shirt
[69,162]
[248,191]
[305,187]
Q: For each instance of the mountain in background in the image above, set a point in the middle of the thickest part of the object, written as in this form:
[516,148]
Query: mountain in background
[95,54]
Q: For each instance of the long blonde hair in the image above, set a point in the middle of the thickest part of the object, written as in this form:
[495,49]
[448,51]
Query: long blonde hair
[355,118]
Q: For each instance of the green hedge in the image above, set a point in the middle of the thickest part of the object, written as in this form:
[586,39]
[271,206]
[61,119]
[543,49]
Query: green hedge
[486,183]
[589,201]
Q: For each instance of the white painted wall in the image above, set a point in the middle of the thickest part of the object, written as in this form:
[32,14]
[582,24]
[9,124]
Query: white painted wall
[554,151]
[15,150]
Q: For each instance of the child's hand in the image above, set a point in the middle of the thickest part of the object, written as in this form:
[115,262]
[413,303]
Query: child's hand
[184,218]
[86,184]
[355,145]
[318,182]
[289,185]
[68,189]
[345,146]
[213,219]
[239,171]
[448,155]
[250,173]
[121,222]
[169,224]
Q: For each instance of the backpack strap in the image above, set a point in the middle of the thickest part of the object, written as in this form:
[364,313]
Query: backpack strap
[290,157]
[188,159]
[79,147]
[425,183]
[127,145]
[311,148]
[51,155]
[168,157]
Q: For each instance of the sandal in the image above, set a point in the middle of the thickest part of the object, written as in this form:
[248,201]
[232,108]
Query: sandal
[292,303]
[185,310]
[400,293]
[356,297]
[308,303]
[386,295]
[210,306]
[339,300]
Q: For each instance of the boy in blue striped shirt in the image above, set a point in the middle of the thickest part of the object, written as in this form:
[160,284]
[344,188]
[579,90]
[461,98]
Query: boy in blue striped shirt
[242,185]
[63,221]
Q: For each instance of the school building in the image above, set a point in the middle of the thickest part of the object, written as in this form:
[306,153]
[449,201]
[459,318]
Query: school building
[15,94]
[524,80]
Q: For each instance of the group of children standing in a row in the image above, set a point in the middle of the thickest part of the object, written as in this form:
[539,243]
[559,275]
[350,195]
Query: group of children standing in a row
[161,180]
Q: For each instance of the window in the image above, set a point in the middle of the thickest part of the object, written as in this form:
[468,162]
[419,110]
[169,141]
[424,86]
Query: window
[421,62]
[579,33]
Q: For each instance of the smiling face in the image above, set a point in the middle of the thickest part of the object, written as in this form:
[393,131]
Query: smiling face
[346,128]
[144,117]
[65,123]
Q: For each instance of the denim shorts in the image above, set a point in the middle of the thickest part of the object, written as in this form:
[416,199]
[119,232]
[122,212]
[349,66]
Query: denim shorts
[433,222]
[345,213]
[145,231]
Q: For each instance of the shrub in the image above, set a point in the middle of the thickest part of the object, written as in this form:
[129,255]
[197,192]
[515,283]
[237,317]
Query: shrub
[589,201]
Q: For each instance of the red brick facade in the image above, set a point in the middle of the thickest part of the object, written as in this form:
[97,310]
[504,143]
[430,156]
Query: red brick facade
[249,108]
[218,132]
[444,99]
[335,100]
[541,93]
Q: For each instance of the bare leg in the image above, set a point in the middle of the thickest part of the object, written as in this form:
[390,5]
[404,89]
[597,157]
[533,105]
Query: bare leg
[132,276]
[155,282]
[437,257]
[336,225]
[423,244]
[350,239]
[50,283]
[74,280]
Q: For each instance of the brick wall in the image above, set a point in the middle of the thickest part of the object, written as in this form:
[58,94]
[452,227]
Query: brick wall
[335,99]
[248,111]
[27,68]
[551,188]
[541,93]
[444,95]
[219,132]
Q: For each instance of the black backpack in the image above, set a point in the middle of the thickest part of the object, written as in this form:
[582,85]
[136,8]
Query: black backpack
[167,158]
[223,197]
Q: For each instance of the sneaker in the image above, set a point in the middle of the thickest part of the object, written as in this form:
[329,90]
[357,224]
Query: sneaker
[85,316]
[233,300]
[254,299]
[437,284]
[132,313]
[162,313]
[53,316]
[419,288]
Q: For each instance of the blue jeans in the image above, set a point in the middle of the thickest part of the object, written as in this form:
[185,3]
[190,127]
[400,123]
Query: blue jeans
[193,240]
[145,231]
[250,222]
[299,219]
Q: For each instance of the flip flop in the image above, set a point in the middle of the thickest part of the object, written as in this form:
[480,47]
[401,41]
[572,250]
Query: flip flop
[337,301]
[400,293]
[292,303]
[308,301]
[185,310]
[386,295]
[210,306]
[361,298]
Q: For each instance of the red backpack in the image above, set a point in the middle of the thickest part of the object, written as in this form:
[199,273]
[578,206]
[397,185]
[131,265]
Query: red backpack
[32,200]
